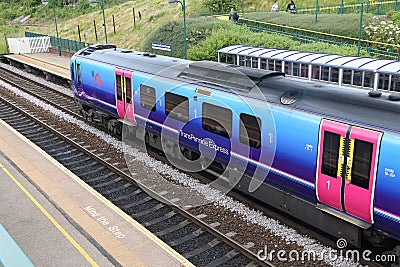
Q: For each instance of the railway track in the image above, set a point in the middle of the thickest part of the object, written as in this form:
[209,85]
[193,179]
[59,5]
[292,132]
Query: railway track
[200,242]
[122,186]
[47,94]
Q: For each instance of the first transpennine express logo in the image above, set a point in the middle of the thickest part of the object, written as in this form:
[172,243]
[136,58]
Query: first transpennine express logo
[97,79]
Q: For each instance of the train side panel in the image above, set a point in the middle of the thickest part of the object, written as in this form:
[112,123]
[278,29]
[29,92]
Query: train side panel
[387,192]
[98,85]
[296,152]
[288,136]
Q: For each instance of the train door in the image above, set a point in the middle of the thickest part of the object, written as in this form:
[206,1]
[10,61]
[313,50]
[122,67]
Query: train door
[78,76]
[123,87]
[346,170]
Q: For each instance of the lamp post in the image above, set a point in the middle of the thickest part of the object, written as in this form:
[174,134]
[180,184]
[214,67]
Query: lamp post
[183,4]
[360,28]
[55,21]
[104,21]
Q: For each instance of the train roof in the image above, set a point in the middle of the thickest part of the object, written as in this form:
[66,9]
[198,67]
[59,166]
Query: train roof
[347,103]
[320,59]
[353,104]
[129,59]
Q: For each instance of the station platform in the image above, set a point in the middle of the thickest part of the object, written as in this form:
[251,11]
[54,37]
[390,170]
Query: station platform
[58,220]
[47,62]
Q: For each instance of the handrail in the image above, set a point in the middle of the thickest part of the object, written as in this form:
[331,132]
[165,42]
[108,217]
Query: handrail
[353,39]
[367,6]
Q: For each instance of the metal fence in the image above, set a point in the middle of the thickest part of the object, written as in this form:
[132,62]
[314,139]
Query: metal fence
[65,44]
[374,7]
[375,49]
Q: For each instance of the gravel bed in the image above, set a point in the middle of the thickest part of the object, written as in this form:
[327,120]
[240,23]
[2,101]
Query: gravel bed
[251,225]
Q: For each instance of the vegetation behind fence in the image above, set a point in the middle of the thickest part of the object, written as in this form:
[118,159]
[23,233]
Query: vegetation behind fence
[375,49]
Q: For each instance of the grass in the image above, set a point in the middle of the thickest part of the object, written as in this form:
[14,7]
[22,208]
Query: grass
[153,13]
[156,13]
[345,24]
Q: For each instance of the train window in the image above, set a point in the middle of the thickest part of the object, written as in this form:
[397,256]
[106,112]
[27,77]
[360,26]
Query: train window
[330,154]
[177,107]
[334,75]
[295,69]
[304,70]
[248,61]
[396,83]
[254,62]
[357,78]
[362,158]
[325,73]
[316,72]
[264,63]
[271,64]
[128,86]
[242,61]
[147,97]
[72,72]
[288,67]
[78,67]
[217,120]
[347,75]
[278,65]
[250,130]
[230,59]
[384,81]
[118,82]
[368,79]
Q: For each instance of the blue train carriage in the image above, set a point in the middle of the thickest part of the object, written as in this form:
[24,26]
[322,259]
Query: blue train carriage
[318,152]
[351,140]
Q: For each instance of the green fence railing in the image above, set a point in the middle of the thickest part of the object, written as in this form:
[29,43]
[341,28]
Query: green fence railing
[374,7]
[65,44]
[375,49]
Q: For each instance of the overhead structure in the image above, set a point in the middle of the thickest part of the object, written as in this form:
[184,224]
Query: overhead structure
[370,73]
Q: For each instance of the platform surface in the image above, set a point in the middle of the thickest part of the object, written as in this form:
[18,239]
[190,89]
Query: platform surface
[49,62]
[57,220]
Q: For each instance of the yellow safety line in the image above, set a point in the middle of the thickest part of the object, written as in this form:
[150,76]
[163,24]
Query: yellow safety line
[56,224]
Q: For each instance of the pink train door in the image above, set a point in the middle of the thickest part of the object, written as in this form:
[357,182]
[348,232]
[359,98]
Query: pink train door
[123,87]
[330,174]
[346,171]
[362,163]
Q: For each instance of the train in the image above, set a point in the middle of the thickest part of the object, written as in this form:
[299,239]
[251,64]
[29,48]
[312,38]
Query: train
[324,154]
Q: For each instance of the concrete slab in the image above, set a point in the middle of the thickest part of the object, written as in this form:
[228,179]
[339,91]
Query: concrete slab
[86,215]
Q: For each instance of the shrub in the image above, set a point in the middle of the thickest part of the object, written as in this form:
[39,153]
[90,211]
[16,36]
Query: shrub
[217,6]
[396,18]
[172,33]
[225,35]
[383,31]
